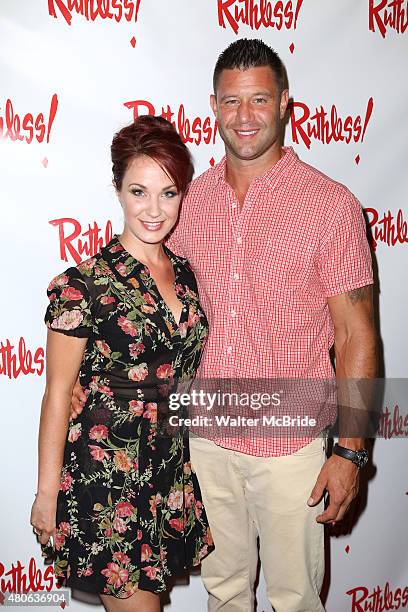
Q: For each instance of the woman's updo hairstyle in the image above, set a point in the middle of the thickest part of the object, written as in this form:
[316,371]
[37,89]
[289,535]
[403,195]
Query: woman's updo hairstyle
[156,138]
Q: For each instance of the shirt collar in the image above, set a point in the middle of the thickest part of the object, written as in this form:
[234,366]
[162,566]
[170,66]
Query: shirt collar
[270,176]
[120,261]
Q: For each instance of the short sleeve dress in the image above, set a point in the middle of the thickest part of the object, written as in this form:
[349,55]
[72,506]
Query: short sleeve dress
[129,509]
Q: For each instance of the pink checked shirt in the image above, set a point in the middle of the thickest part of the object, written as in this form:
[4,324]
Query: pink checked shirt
[264,274]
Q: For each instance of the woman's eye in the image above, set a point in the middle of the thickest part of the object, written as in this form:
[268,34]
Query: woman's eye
[170,194]
[137,192]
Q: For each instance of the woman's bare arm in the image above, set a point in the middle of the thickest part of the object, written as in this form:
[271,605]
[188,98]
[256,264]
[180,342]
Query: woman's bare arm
[63,359]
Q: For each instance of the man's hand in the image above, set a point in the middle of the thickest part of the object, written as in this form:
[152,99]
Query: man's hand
[340,477]
[77,401]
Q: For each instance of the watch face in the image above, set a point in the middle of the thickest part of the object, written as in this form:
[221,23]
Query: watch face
[362,458]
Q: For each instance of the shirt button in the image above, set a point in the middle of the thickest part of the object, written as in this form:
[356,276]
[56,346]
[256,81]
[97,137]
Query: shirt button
[236,276]
[229,350]
[233,313]
[234,205]
[239,240]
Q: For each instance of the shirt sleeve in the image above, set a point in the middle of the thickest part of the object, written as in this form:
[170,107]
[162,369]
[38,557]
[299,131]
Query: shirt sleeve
[345,257]
[173,242]
[69,310]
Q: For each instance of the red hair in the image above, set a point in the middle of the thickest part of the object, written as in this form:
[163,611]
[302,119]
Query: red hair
[156,138]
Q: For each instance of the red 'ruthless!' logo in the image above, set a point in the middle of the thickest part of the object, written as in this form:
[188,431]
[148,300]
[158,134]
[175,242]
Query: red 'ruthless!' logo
[379,599]
[389,229]
[257,14]
[94,9]
[191,131]
[16,127]
[78,244]
[327,127]
[22,361]
[383,14]
[393,424]
[20,578]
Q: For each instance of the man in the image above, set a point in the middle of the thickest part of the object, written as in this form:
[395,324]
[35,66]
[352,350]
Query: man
[283,270]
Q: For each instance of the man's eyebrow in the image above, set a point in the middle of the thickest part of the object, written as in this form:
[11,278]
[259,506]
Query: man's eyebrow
[267,94]
[229,96]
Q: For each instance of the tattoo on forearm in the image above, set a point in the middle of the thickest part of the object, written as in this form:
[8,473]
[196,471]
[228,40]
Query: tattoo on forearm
[361,294]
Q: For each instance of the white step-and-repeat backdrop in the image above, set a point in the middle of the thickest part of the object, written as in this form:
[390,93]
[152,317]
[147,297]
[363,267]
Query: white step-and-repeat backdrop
[72,73]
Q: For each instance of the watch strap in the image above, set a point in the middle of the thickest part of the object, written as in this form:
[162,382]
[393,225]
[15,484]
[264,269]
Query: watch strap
[358,457]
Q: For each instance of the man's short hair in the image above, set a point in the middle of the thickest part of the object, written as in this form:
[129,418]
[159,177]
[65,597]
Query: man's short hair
[249,53]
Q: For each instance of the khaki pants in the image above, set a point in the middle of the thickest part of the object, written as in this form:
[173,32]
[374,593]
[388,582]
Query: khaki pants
[247,497]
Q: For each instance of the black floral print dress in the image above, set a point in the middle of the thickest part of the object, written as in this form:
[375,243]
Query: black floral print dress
[129,510]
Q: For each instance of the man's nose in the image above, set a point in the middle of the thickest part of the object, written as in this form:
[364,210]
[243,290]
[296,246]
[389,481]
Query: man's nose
[244,113]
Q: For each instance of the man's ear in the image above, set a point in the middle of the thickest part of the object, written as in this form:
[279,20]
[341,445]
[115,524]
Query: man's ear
[213,103]
[283,103]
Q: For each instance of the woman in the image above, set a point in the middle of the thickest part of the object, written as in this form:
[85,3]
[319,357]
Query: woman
[121,501]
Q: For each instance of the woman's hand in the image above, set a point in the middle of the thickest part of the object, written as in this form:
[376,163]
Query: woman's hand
[43,516]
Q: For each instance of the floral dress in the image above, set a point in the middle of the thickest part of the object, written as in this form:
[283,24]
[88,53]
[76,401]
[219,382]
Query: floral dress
[129,510]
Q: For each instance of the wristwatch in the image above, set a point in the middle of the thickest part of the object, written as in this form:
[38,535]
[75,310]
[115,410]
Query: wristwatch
[358,457]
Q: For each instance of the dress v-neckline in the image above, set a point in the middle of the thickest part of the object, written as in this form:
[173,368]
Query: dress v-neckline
[155,288]
[163,301]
